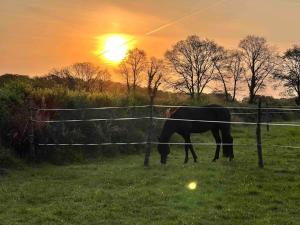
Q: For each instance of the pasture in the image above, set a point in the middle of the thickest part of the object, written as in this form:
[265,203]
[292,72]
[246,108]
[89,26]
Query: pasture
[120,190]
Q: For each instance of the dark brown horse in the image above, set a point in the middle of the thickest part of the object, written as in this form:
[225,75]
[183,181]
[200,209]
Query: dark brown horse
[186,128]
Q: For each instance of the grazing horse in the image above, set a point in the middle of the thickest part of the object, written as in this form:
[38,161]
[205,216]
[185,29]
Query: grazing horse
[186,128]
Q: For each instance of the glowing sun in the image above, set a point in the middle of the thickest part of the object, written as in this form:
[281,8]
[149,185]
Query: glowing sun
[115,48]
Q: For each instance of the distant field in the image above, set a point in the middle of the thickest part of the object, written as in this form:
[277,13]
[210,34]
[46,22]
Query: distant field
[120,191]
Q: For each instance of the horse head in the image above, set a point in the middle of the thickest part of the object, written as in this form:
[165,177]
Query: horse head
[228,148]
[164,151]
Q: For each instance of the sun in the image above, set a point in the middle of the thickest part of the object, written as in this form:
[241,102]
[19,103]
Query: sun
[115,47]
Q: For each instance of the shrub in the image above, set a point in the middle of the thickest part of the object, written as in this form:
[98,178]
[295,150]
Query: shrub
[8,160]
[14,108]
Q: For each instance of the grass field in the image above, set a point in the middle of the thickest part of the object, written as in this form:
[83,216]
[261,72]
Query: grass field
[120,191]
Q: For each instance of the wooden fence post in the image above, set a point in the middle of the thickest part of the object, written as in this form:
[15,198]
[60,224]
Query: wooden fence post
[150,131]
[31,131]
[258,136]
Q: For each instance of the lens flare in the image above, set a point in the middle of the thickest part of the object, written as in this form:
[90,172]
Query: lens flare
[192,185]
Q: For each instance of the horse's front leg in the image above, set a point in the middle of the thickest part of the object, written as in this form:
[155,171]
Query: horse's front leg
[186,148]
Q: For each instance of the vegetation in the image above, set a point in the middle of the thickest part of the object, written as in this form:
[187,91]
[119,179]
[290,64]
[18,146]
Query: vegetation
[120,191]
[17,92]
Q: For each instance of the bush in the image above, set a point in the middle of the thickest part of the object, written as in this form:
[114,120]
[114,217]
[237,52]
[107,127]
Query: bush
[8,160]
[14,108]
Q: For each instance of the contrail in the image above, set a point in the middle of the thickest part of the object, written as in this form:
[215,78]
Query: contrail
[193,13]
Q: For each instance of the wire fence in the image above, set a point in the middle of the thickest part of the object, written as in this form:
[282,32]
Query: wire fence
[235,111]
[171,143]
[283,108]
[295,124]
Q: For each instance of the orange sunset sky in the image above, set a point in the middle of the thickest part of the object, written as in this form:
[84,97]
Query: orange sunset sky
[38,35]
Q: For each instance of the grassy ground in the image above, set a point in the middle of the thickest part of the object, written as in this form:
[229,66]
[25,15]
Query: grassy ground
[120,191]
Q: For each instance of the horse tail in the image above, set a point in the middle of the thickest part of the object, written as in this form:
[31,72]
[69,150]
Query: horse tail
[226,134]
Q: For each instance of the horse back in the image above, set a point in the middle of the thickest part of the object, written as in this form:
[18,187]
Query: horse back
[207,113]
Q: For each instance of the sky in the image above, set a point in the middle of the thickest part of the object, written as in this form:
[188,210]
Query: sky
[38,35]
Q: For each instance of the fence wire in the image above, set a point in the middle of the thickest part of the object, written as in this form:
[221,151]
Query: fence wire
[167,106]
[166,118]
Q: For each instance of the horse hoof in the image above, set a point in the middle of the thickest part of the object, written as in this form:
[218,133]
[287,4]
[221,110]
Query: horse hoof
[214,160]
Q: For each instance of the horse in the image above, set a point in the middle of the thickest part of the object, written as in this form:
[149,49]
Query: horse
[212,113]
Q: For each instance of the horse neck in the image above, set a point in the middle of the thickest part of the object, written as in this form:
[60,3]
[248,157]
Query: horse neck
[166,133]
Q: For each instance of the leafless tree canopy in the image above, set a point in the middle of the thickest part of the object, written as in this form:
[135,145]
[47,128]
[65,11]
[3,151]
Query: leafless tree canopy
[63,77]
[290,72]
[156,72]
[132,68]
[260,61]
[84,76]
[236,71]
[193,63]
[93,76]
[222,75]
[229,72]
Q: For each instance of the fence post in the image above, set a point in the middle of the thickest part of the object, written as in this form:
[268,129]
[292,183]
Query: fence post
[31,131]
[150,131]
[258,136]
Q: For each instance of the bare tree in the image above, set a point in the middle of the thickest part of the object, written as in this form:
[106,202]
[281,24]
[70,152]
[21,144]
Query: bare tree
[83,76]
[93,77]
[230,71]
[221,65]
[236,71]
[101,81]
[290,72]
[62,77]
[132,67]
[260,61]
[156,71]
[192,62]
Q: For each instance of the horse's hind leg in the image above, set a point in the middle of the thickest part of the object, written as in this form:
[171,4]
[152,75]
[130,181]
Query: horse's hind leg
[217,137]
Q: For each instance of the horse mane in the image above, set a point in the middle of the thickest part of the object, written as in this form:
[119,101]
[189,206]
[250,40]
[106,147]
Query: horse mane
[170,112]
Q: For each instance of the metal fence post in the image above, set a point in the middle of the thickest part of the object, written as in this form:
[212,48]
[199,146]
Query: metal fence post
[150,131]
[258,136]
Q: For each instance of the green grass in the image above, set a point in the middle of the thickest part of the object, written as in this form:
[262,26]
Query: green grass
[120,191]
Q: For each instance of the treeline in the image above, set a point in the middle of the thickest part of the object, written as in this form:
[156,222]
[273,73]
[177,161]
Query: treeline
[192,66]
[195,65]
